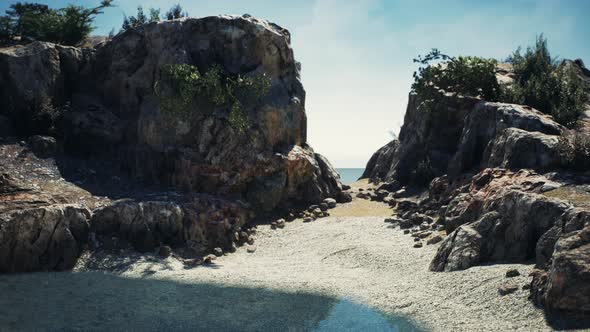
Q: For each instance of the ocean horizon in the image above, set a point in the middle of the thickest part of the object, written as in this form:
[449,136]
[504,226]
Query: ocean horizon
[350,175]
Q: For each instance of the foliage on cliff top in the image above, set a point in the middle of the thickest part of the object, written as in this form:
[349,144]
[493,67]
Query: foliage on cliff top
[539,81]
[33,21]
[182,88]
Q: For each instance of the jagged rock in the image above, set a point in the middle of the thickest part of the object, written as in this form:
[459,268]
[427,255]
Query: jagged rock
[144,224]
[566,286]
[516,148]
[114,113]
[380,163]
[454,137]
[37,75]
[45,238]
[43,146]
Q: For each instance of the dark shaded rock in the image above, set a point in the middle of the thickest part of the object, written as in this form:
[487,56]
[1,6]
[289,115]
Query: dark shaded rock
[380,163]
[330,202]
[164,251]
[434,239]
[512,273]
[43,146]
[6,128]
[507,289]
[44,238]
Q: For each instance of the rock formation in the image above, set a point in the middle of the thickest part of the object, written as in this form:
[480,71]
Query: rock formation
[101,108]
[490,169]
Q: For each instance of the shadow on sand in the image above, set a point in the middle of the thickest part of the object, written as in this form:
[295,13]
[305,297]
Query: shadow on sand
[104,301]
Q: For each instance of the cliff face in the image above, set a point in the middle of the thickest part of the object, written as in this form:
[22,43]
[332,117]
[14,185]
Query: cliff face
[492,170]
[110,132]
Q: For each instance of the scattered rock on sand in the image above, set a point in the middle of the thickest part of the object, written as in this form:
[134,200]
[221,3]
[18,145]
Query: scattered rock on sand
[435,239]
[251,249]
[218,252]
[164,251]
[418,245]
[512,273]
[330,202]
[507,289]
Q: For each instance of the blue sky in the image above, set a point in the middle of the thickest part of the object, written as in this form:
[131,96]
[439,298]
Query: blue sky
[357,54]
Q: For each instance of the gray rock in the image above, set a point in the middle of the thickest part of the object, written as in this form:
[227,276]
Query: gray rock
[507,289]
[330,202]
[435,239]
[218,252]
[164,251]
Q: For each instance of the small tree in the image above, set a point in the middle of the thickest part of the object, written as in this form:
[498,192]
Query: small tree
[68,26]
[541,82]
[141,19]
[175,12]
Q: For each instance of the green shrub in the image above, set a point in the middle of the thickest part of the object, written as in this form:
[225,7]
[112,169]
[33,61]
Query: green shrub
[540,82]
[468,76]
[182,88]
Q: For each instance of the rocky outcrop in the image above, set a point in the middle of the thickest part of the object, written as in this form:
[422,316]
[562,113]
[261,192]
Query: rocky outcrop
[44,238]
[100,107]
[202,223]
[463,134]
[104,103]
[381,161]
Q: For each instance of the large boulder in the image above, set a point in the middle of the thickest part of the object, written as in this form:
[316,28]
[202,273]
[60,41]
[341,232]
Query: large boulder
[45,238]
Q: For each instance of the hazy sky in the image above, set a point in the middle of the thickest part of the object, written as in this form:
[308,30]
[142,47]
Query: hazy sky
[357,54]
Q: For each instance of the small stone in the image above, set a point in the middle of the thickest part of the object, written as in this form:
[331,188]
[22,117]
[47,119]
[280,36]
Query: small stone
[330,202]
[273,225]
[233,247]
[392,220]
[512,273]
[290,217]
[424,226]
[418,245]
[435,239]
[250,240]
[312,208]
[251,249]
[507,289]
[317,212]
[209,259]
[406,231]
[280,223]
[164,251]
[323,206]
[424,234]
[301,214]
[307,219]
[218,252]
[527,286]
[416,239]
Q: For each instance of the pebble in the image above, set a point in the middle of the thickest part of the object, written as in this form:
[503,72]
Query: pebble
[435,239]
[251,249]
[418,245]
[218,252]
[507,289]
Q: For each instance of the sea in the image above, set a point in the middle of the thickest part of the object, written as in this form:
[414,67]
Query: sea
[349,175]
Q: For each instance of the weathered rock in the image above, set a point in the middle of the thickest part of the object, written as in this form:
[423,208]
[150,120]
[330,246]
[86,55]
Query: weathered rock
[330,202]
[567,284]
[164,251]
[218,252]
[45,238]
[434,239]
[507,289]
[453,138]
[113,110]
[251,249]
[43,146]
[512,273]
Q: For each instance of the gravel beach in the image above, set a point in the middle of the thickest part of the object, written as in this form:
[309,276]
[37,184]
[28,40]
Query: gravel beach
[296,275]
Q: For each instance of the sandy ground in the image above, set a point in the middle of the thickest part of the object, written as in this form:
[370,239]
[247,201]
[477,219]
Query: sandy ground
[337,273]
